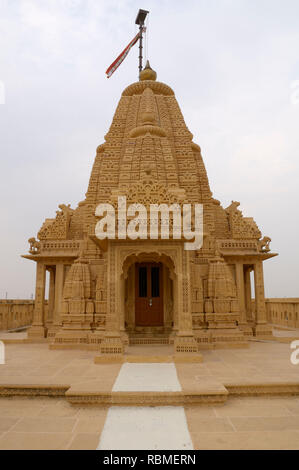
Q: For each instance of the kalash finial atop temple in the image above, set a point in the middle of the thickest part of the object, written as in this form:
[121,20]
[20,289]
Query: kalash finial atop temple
[147,73]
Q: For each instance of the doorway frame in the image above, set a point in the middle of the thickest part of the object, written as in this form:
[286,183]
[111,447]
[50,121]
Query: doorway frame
[148,266]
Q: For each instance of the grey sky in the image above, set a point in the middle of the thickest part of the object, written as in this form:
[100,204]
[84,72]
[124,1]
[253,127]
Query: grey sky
[232,65]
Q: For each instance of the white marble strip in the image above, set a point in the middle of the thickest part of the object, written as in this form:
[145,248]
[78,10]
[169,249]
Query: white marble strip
[153,377]
[145,428]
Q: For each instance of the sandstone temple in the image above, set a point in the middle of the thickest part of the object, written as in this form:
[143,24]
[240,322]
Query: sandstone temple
[107,294]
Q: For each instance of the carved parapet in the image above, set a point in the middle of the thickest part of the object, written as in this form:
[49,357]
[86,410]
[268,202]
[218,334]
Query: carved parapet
[229,246]
[241,227]
[60,247]
[57,229]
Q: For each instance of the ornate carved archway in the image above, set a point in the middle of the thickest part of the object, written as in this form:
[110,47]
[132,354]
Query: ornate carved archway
[168,274]
[157,256]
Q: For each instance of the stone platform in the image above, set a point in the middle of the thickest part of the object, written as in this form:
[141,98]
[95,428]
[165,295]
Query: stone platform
[234,399]
[263,368]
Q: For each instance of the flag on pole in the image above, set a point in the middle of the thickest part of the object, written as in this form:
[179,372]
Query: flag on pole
[123,55]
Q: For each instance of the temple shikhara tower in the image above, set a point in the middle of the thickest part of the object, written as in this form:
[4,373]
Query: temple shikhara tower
[106,294]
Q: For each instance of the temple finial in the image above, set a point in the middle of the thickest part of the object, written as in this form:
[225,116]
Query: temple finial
[147,73]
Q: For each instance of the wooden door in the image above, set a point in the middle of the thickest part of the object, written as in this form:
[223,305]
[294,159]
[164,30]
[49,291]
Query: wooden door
[148,294]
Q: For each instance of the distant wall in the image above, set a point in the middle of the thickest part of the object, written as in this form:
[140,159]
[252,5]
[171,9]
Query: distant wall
[15,313]
[284,312]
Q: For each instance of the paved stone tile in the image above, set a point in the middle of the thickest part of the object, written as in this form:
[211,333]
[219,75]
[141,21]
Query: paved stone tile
[6,423]
[208,424]
[257,423]
[91,412]
[293,408]
[243,422]
[239,409]
[34,441]
[201,411]
[21,407]
[91,424]
[84,441]
[19,412]
[62,410]
[71,371]
[37,362]
[47,370]
[45,424]
[269,440]
[28,401]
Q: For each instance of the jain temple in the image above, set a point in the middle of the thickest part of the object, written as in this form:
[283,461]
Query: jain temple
[107,294]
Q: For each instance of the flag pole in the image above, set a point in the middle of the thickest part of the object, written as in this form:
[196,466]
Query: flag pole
[140,21]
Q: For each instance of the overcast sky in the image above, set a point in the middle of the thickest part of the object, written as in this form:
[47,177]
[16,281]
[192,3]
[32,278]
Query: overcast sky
[234,66]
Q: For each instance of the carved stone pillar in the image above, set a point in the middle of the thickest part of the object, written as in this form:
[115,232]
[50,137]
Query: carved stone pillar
[112,343]
[59,281]
[248,303]
[51,301]
[37,329]
[261,328]
[175,304]
[122,310]
[240,281]
[185,342]
[130,300]
[121,303]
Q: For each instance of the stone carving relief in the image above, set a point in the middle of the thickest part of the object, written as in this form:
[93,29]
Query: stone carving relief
[264,244]
[241,227]
[34,248]
[57,229]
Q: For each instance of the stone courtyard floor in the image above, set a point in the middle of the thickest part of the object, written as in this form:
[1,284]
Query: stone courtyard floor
[242,422]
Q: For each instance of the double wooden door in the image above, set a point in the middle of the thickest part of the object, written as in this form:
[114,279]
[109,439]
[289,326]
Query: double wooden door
[148,294]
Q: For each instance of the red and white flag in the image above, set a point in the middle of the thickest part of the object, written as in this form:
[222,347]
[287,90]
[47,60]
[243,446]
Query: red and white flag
[123,55]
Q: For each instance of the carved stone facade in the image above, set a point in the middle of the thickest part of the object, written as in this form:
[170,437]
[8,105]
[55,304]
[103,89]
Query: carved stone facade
[149,157]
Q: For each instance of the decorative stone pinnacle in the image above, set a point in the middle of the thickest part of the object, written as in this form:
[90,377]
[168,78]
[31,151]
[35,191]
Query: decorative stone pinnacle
[147,73]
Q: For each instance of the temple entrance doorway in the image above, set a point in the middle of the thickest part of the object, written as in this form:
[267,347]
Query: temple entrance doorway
[148,295]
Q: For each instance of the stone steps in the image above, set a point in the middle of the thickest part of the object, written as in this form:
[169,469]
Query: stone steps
[146,398]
